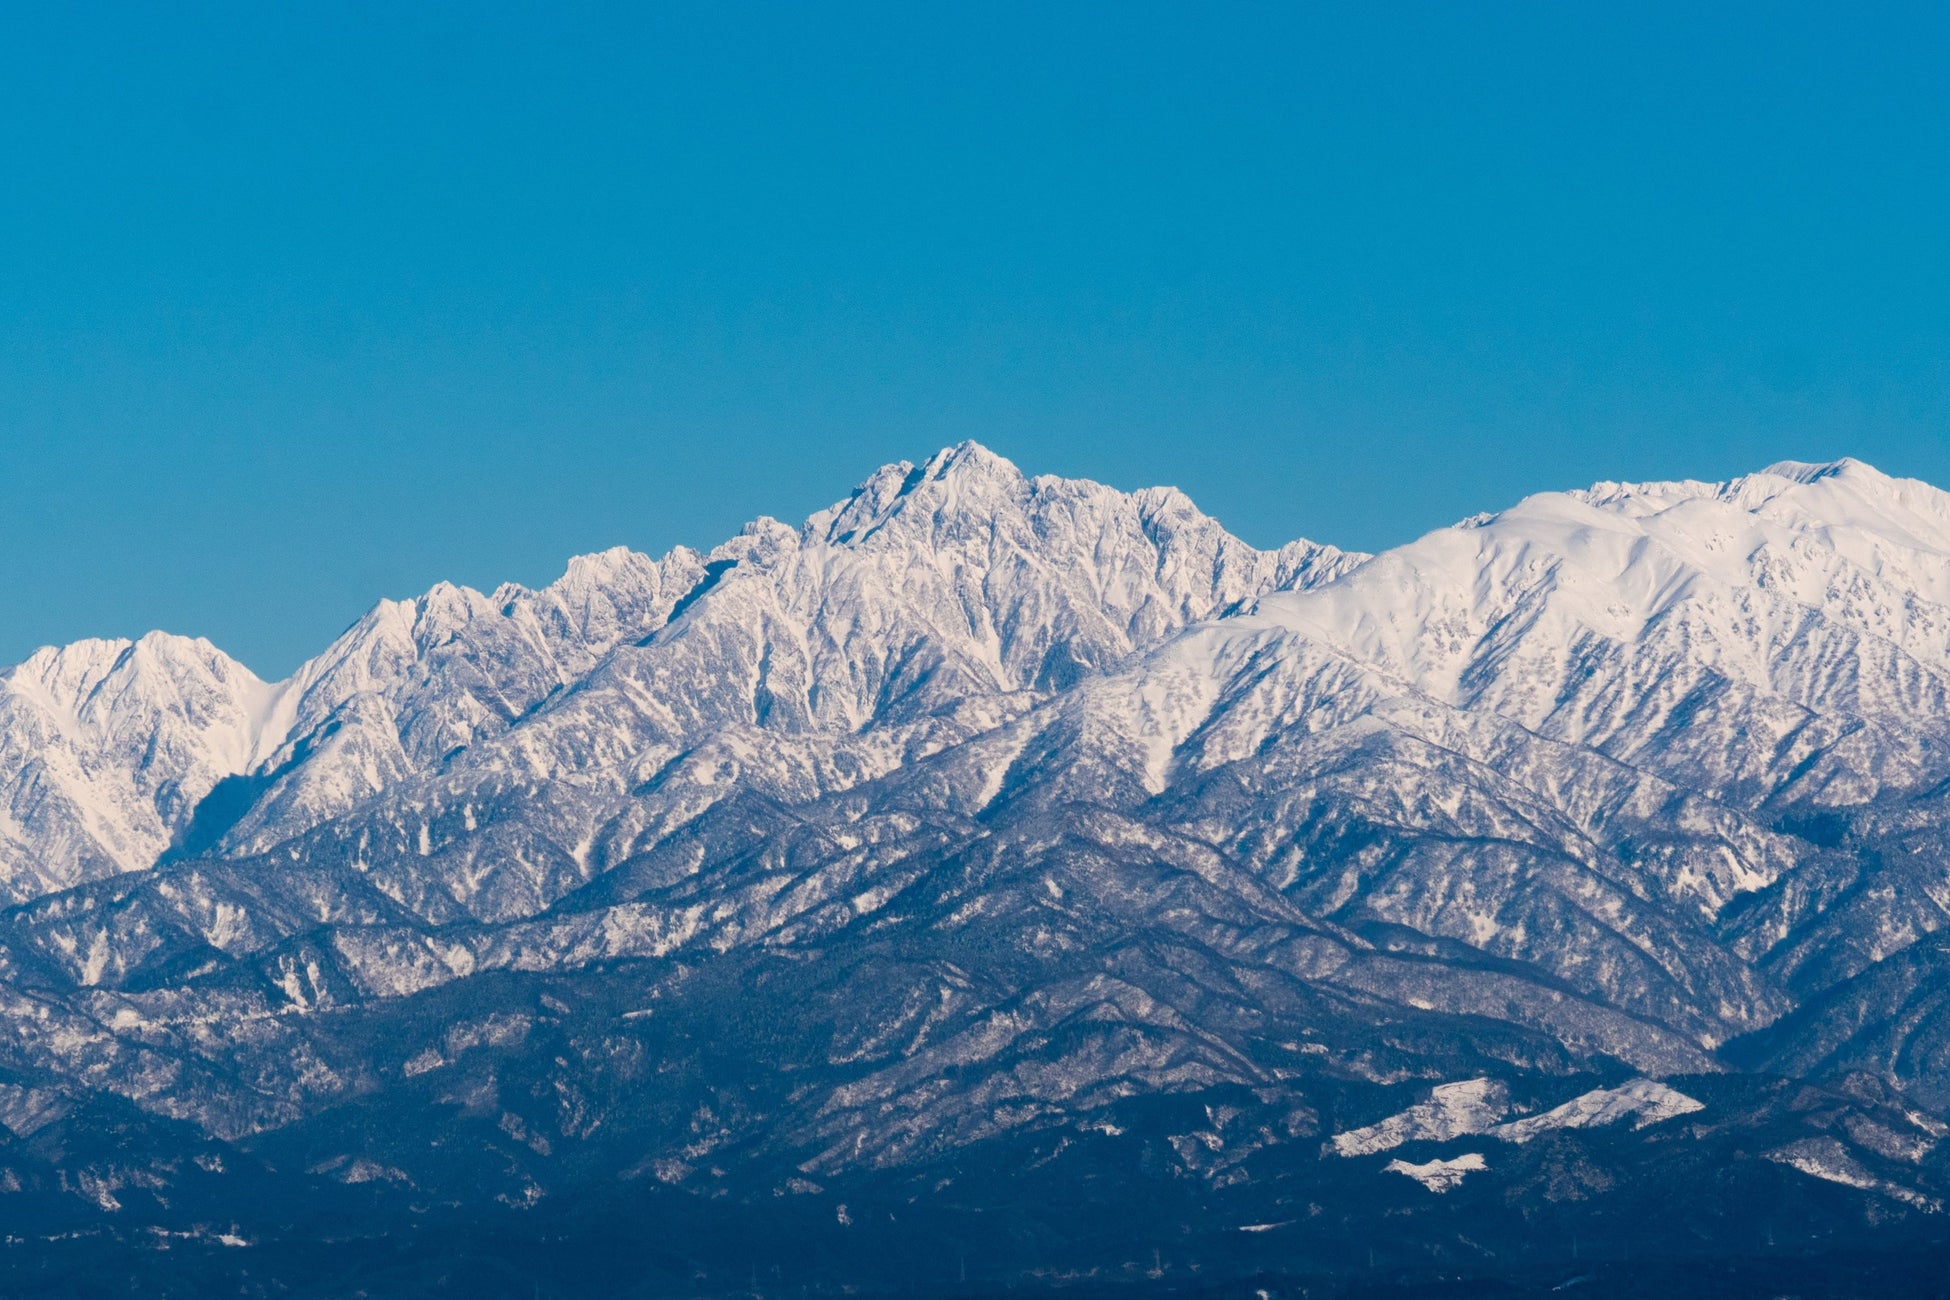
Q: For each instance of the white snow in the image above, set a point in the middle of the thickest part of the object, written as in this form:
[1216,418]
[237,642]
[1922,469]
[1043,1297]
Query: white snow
[1472,1107]
[1440,1175]
[1827,1159]
[1643,1101]
[1452,1110]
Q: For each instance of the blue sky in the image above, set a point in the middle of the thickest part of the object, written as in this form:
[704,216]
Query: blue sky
[303,305]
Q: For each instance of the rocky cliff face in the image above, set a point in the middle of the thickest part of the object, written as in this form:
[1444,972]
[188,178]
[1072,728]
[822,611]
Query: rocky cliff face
[985,818]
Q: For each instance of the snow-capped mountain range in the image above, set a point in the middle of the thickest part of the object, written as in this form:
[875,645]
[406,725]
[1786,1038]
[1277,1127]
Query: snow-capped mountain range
[981,809]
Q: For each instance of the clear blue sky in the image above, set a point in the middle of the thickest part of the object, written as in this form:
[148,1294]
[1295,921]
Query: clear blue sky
[306,304]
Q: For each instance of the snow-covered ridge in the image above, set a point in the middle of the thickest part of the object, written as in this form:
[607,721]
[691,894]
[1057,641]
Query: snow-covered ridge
[1452,1110]
[1769,603]
[1811,590]
[1476,1107]
[108,748]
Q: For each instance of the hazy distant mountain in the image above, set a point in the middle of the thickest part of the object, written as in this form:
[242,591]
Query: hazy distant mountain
[992,846]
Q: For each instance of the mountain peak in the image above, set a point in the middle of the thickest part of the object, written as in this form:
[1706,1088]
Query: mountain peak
[890,490]
[1845,491]
[1813,472]
[968,457]
[80,665]
[598,566]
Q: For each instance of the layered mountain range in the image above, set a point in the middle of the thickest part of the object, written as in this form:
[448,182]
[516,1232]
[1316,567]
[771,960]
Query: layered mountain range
[990,846]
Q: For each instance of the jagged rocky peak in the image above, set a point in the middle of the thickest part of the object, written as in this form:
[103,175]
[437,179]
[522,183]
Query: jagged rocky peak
[415,683]
[106,747]
[930,587]
[970,504]
[937,584]
[968,493]
[94,678]
[903,487]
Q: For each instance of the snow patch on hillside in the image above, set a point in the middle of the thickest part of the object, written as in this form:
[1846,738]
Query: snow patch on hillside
[1440,1175]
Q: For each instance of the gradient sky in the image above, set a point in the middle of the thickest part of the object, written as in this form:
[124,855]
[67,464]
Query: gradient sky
[304,305]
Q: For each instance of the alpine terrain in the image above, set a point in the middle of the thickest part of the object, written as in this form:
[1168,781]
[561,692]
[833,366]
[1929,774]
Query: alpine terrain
[1000,882]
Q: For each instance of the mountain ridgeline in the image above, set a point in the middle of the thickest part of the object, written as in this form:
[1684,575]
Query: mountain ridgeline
[1001,879]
